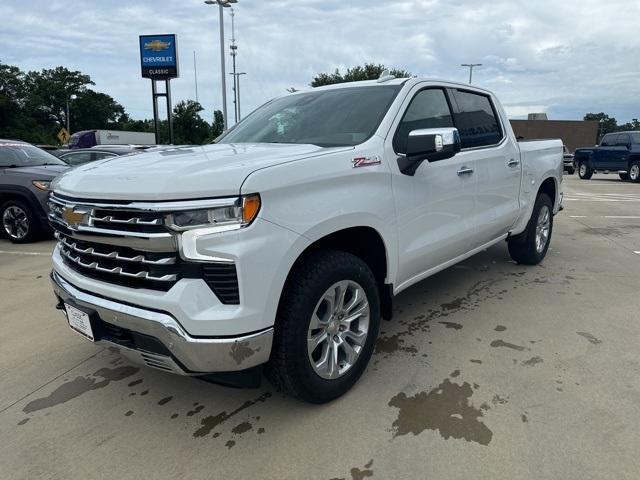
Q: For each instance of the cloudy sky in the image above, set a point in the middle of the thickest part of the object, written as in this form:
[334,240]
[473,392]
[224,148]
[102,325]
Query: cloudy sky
[563,57]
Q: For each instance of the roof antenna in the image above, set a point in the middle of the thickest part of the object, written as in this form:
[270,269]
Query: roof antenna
[385,76]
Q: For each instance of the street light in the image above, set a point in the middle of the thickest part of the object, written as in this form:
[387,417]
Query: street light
[236,77]
[471,65]
[72,97]
[222,4]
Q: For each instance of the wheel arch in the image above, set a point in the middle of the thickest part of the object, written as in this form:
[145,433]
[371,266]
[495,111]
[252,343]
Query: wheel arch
[550,187]
[366,243]
[17,192]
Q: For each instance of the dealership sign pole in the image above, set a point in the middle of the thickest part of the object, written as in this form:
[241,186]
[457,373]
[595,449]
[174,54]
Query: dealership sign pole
[159,62]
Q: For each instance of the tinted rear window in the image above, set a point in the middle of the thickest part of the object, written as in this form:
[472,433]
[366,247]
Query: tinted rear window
[476,120]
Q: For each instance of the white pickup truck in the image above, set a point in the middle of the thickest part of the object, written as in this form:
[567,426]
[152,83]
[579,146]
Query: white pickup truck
[283,244]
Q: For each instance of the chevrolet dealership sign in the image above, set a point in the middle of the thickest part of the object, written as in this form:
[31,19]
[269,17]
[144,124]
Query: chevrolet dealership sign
[159,56]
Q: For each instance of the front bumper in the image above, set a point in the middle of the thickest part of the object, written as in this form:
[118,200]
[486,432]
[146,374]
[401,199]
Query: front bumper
[182,354]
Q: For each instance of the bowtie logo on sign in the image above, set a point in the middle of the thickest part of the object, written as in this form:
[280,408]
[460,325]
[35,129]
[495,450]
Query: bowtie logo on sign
[157,45]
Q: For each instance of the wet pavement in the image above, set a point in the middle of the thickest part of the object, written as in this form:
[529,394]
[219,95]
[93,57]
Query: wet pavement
[488,370]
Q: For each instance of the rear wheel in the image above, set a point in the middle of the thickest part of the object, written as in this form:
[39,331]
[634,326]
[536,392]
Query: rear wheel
[326,327]
[584,172]
[571,170]
[19,224]
[531,246]
[624,176]
[634,172]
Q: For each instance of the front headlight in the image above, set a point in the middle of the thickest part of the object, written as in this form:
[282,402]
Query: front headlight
[42,185]
[237,213]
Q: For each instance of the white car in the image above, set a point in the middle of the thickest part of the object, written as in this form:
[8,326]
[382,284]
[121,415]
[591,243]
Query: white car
[283,244]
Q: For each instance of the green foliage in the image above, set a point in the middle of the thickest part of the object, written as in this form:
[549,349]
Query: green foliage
[369,71]
[33,107]
[607,124]
[188,126]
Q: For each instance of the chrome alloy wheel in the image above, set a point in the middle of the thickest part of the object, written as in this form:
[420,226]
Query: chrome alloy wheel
[543,228]
[634,172]
[15,222]
[338,329]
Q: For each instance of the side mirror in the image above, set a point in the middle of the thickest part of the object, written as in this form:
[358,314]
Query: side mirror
[430,144]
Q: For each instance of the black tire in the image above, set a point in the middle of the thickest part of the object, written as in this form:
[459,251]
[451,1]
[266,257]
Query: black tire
[571,170]
[29,230]
[624,176]
[634,172]
[290,369]
[522,248]
[584,171]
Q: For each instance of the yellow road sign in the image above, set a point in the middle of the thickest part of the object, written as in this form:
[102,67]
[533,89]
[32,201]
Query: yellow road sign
[64,136]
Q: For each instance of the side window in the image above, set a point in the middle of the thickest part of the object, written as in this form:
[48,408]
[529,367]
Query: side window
[79,158]
[623,140]
[101,155]
[476,120]
[428,109]
[609,140]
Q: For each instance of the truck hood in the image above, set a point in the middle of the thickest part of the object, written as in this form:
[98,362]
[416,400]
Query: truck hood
[179,173]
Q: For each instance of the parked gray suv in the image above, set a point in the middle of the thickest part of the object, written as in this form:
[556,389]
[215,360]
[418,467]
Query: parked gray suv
[25,174]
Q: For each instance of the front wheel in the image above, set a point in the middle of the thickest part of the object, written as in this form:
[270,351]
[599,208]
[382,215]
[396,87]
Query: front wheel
[530,247]
[584,172]
[326,327]
[19,224]
[634,172]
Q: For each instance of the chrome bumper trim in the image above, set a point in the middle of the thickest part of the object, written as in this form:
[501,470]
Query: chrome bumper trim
[197,355]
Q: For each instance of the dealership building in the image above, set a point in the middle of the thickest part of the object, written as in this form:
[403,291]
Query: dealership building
[574,133]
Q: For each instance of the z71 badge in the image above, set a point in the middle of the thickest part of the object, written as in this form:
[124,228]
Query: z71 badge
[366,161]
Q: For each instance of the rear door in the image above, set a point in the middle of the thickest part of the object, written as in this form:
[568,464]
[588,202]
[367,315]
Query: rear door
[496,160]
[623,147]
[434,207]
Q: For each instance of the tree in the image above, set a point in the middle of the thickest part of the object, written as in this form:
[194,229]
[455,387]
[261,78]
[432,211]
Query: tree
[606,124]
[95,110]
[632,125]
[369,71]
[188,126]
[218,123]
[49,90]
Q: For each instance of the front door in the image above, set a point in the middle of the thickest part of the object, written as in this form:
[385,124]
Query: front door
[434,207]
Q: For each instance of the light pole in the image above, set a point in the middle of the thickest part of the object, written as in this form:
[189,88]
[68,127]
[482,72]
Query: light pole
[221,5]
[72,97]
[236,77]
[470,66]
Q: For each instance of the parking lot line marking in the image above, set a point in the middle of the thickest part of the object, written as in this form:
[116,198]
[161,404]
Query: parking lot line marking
[637,253]
[577,216]
[621,216]
[7,252]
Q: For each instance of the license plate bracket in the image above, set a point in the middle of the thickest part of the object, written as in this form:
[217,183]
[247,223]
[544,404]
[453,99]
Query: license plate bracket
[80,321]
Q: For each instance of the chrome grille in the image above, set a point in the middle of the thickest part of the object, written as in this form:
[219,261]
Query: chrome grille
[128,243]
[95,251]
[126,264]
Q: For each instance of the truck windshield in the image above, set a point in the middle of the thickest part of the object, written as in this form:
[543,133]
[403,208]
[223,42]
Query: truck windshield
[328,118]
[24,155]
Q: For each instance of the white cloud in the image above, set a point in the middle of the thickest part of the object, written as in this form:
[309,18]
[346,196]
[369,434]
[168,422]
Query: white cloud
[566,58]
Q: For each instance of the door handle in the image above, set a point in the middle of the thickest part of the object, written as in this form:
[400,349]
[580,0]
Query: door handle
[465,171]
[513,163]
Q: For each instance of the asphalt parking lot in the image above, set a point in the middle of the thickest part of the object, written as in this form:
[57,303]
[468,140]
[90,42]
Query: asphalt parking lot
[488,370]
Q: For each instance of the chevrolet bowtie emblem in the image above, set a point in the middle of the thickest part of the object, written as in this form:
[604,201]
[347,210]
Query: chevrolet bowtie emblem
[157,45]
[71,217]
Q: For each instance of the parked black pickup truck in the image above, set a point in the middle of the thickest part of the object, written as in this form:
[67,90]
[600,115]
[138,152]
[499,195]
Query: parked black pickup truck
[617,152]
